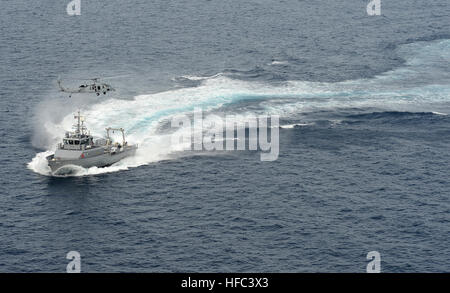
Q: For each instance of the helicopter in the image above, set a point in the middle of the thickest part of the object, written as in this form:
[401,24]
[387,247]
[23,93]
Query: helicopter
[88,87]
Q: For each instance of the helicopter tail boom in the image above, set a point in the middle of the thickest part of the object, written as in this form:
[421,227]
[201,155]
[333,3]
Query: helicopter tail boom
[61,87]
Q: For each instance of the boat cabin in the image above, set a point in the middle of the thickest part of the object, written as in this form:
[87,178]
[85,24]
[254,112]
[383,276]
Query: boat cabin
[80,142]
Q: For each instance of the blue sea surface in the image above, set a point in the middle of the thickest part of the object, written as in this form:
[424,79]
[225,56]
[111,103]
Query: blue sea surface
[364,160]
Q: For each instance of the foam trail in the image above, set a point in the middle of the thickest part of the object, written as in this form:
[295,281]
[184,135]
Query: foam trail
[143,117]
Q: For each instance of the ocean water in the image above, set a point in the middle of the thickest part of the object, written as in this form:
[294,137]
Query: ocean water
[364,106]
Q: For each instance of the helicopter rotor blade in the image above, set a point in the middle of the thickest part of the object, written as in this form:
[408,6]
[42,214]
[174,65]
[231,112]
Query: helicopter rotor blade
[93,79]
[115,76]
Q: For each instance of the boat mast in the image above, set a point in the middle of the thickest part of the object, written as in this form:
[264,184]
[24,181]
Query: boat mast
[78,117]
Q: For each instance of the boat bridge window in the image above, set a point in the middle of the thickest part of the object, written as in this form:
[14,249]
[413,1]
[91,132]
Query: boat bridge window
[77,141]
[70,141]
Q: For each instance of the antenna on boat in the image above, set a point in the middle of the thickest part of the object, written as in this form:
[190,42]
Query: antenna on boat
[80,123]
[78,117]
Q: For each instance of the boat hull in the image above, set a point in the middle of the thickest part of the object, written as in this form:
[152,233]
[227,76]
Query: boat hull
[103,160]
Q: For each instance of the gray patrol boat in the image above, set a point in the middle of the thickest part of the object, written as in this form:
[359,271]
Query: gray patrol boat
[80,149]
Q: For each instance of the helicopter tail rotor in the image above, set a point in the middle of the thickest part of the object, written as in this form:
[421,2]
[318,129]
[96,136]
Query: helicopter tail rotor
[58,81]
